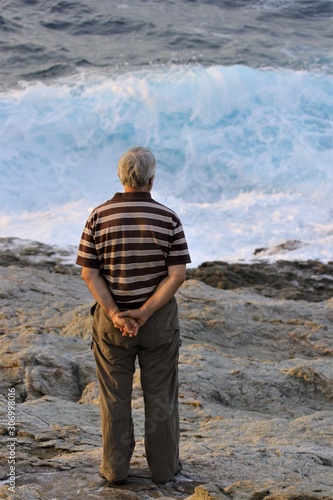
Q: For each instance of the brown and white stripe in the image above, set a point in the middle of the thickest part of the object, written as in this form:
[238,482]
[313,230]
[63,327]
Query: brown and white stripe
[132,239]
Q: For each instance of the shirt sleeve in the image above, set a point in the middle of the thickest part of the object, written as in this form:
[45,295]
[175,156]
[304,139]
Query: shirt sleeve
[87,254]
[178,253]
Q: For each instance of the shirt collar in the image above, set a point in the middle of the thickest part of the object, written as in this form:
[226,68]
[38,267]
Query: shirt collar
[135,196]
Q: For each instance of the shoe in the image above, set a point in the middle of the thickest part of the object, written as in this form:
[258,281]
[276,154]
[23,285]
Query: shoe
[161,481]
[116,482]
[179,468]
[113,482]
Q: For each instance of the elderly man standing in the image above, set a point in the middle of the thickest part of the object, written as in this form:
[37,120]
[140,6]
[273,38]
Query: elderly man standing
[133,255]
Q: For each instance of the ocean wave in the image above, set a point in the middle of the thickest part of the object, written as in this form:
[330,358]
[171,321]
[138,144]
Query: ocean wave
[215,131]
[243,155]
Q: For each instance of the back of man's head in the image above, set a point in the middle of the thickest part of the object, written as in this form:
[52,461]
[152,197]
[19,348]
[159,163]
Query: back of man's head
[136,167]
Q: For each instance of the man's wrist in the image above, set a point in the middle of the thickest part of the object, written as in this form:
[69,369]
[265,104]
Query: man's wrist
[113,312]
[145,310]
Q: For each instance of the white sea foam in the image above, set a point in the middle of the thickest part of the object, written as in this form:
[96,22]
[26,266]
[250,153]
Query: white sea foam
[244,156]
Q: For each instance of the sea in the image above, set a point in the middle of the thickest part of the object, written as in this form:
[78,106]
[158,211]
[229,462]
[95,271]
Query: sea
[233,97]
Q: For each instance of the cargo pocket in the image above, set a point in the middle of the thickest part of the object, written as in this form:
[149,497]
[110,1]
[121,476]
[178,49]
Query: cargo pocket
[166,318]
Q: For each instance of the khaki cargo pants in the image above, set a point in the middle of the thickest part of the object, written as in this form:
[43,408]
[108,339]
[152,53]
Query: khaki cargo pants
[157,348]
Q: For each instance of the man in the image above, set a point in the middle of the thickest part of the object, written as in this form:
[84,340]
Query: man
[133,255]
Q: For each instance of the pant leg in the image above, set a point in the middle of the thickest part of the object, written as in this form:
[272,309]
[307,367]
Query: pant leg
[115,365]
[158,358]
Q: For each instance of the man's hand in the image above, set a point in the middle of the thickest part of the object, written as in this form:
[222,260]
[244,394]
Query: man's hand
[128,326]
[134,314]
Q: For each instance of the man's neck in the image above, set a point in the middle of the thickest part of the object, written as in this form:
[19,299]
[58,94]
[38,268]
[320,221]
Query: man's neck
[143,189]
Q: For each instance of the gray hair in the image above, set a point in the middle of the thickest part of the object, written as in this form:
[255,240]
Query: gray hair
[136,167]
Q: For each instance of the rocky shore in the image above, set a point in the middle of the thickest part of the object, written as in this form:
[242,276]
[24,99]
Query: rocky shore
[256,392]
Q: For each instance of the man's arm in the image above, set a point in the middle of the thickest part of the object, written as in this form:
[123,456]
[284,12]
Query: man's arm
[101,293]
[163,293]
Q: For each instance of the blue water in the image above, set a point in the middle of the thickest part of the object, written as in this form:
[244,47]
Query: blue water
[234,99]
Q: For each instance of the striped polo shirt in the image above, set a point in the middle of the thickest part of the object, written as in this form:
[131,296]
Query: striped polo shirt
[132,239]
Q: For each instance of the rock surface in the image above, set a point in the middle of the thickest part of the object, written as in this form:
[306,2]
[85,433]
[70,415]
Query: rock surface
[310,280]
[256,392]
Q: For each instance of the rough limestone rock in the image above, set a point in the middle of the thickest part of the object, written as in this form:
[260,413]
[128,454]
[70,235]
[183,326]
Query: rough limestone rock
[208,491]
[255,396]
